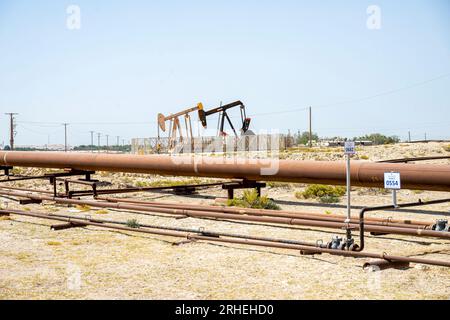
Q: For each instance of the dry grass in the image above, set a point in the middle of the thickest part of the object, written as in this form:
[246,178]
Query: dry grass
[54,243]
[37,263]
[83,207]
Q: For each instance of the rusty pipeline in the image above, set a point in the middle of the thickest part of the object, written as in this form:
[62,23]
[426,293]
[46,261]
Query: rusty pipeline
[279,213]
[365,174]
[389,221]
[243,240]
[419,231]
[362,221]
[376,265]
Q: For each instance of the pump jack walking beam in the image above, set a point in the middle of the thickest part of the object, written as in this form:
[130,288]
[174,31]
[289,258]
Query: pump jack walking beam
[224,115]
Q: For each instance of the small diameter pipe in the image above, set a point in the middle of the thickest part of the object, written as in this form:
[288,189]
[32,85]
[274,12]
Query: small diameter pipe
[362,226]
[385,264]
[279,213]
[244,241]
[201,214]
[180,229]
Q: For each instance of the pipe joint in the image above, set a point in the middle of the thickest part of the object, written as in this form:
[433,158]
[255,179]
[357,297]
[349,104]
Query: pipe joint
[441,225]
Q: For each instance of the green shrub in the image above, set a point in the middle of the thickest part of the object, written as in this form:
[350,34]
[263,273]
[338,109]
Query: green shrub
[325,194]
[250,199]
[378,138]
[303,138]
[274,184]
[133,223]
[329,199]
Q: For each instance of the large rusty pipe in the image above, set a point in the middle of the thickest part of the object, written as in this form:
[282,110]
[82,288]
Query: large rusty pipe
[421,232]
[304,248]
[363,173]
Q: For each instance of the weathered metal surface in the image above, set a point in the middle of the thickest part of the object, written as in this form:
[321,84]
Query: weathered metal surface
[363,173]
[229,239]
[419,231]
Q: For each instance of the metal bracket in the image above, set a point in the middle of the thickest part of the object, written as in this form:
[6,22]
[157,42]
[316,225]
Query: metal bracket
[68,225]
[441,225]
[207,234]
[29,201]
[6,170]
[244,184]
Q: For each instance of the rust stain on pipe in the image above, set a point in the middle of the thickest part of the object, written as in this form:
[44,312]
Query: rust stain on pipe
[366,174]
[419,231]
[302,248]
[271,213]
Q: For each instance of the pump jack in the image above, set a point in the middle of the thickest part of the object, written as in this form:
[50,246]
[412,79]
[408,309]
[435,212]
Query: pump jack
[222,110]
[175,127]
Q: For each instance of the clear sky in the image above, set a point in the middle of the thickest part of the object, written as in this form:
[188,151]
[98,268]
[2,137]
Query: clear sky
[133,59]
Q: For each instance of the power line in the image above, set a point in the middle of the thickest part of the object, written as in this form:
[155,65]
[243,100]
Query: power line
[384,93]
[389,92]
[39,123]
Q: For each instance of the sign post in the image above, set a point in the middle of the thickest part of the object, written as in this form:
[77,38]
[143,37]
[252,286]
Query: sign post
[392,182]
[349,150]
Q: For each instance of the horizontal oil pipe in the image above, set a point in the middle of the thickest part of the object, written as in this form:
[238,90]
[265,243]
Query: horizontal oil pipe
[376,265]
[92,203]
[241,241]
[384,207]
[383,221]
[356,254]
[225,216]
[363,173]
[273,213]
[96,224]
[180,229]
[26,189]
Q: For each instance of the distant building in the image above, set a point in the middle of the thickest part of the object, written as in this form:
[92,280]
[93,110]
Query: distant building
[339,143]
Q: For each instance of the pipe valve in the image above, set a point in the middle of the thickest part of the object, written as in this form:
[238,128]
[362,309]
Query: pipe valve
[336,243]
[441,225]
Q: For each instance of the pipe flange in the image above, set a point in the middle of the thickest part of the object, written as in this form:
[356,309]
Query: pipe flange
[441,225]
[348,244]
[336,243]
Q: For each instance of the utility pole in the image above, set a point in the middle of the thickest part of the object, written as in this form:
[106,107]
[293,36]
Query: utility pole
[425,136]
[98,141]
[107,142]
[92,138]
[310,128]
[11,129]
[65,136]
[409,136]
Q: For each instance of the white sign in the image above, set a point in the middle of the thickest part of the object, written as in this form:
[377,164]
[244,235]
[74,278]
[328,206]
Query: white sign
[392,180]
[349,147]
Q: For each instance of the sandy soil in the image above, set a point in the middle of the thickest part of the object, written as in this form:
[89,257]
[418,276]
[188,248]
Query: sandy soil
[93,263]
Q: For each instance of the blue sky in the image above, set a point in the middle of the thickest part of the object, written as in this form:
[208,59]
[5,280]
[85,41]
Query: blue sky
[133,59]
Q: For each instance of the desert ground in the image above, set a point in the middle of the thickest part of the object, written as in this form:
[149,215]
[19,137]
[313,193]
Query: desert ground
[93,263]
